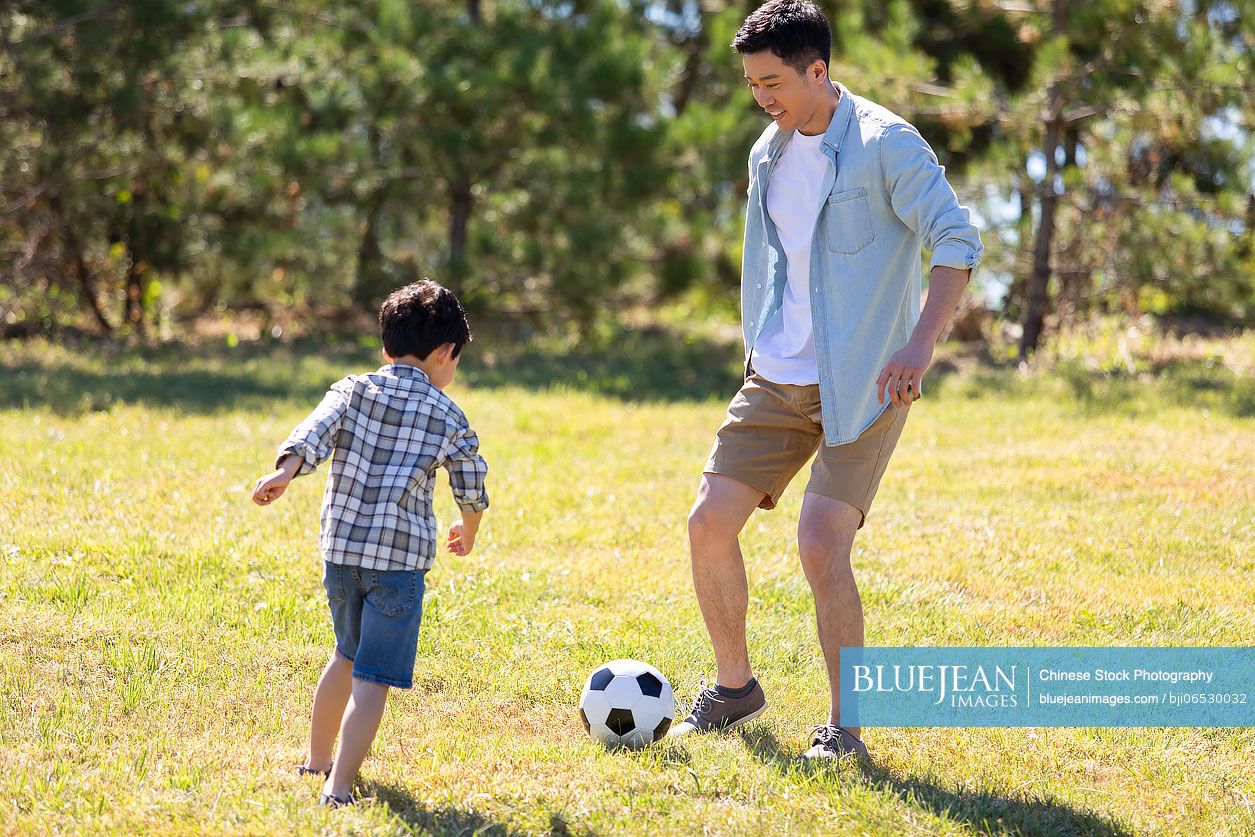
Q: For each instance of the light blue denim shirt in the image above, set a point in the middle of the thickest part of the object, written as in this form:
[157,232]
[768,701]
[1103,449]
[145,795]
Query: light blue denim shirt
[887,196]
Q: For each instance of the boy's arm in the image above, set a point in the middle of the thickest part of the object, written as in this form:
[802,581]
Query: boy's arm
[467,473]
[462,534]
[314,438]
[271,487]
[309,444]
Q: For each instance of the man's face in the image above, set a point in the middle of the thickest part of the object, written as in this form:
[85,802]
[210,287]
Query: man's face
[790,98]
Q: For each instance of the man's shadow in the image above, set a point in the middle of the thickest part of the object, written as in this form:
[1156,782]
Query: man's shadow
[987,813]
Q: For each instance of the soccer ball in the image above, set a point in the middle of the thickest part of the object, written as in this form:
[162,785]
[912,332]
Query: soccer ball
[627,703]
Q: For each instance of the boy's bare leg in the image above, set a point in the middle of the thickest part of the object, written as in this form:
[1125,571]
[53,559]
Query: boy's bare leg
[330,698]
[722,507]
[357,732]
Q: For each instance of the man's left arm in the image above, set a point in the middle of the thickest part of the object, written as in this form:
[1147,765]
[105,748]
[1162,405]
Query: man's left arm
[923,199]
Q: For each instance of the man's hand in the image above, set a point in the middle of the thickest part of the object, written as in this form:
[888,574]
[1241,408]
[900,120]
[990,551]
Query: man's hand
[904,374]
[461,542]
[270,487]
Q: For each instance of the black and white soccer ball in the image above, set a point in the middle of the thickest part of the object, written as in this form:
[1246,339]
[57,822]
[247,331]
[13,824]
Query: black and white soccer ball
[627,703]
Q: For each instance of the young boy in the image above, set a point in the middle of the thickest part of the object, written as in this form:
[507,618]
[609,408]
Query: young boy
[386,433]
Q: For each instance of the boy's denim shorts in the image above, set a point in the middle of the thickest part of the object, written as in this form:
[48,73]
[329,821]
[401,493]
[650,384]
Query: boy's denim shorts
[376,614]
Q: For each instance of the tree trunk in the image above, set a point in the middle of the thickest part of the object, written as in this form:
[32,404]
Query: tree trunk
[460,204]
[86,280]
[1038,291]
[1014,302]
[694,51]
[370,284]
[137,246]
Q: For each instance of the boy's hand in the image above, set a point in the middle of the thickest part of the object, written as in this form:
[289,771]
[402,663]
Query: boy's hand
[461,542]
[270,487]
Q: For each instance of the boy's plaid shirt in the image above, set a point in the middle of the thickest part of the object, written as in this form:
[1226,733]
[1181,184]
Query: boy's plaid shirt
[386,433]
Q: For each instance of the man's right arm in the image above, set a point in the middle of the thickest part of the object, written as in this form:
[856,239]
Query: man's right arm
[924,200]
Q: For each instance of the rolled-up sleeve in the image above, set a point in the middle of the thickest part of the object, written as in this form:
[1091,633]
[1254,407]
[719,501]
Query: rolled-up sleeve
[314,438]
[467,471]
[924,200]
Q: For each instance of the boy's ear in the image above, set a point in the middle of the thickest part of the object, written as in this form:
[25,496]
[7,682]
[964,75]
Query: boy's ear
[446,353]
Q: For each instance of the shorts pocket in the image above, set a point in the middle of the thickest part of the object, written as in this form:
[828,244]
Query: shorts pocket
[333,583]
[849,221]
[392,593]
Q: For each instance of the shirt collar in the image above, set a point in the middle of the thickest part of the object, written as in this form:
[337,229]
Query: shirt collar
[404,370]
[840,118]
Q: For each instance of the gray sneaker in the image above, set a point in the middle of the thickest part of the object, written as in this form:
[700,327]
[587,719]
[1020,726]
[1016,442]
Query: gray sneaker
[833,742]
[715,712]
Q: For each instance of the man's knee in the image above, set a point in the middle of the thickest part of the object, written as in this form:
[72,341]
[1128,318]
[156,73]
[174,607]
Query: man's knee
[707,524]
[720,511]
[820,555]
[825,535]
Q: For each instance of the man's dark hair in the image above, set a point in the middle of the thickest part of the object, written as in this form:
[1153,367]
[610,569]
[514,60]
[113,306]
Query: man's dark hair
[795,31]
[417,319]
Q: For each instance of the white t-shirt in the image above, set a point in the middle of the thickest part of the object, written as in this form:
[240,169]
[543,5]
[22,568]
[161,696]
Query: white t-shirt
[785,350]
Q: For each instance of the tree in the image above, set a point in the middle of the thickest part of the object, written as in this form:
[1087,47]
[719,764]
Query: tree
[548,157]
[1112,147]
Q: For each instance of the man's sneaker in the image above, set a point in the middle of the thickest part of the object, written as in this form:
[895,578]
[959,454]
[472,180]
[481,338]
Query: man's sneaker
[716,710]
[833,742]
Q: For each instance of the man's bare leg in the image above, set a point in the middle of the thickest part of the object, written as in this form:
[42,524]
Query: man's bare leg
[715,522]
[825,536]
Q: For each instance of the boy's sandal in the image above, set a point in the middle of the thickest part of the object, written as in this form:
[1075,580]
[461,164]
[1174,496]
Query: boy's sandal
[336,802]
[303,770]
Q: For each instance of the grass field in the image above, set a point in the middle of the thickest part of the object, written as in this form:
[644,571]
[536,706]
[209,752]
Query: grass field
[162,635]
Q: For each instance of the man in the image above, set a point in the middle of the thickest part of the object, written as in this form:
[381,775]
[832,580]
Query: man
[842,195]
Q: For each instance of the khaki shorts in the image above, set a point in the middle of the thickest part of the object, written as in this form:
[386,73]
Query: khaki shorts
[772,429]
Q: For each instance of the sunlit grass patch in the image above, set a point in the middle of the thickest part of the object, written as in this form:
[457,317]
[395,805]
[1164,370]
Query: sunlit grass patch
[163,635]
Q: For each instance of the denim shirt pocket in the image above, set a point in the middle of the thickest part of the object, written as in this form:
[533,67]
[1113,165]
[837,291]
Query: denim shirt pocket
[849,221]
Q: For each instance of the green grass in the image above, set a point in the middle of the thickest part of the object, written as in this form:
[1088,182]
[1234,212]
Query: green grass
[163,635]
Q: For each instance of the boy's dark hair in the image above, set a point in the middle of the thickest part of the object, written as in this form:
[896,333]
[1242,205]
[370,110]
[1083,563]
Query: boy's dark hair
[796,32]
[417,319]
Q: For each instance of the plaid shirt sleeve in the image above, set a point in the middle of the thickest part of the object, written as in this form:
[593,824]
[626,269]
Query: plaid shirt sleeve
[314,438]
[467,471]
